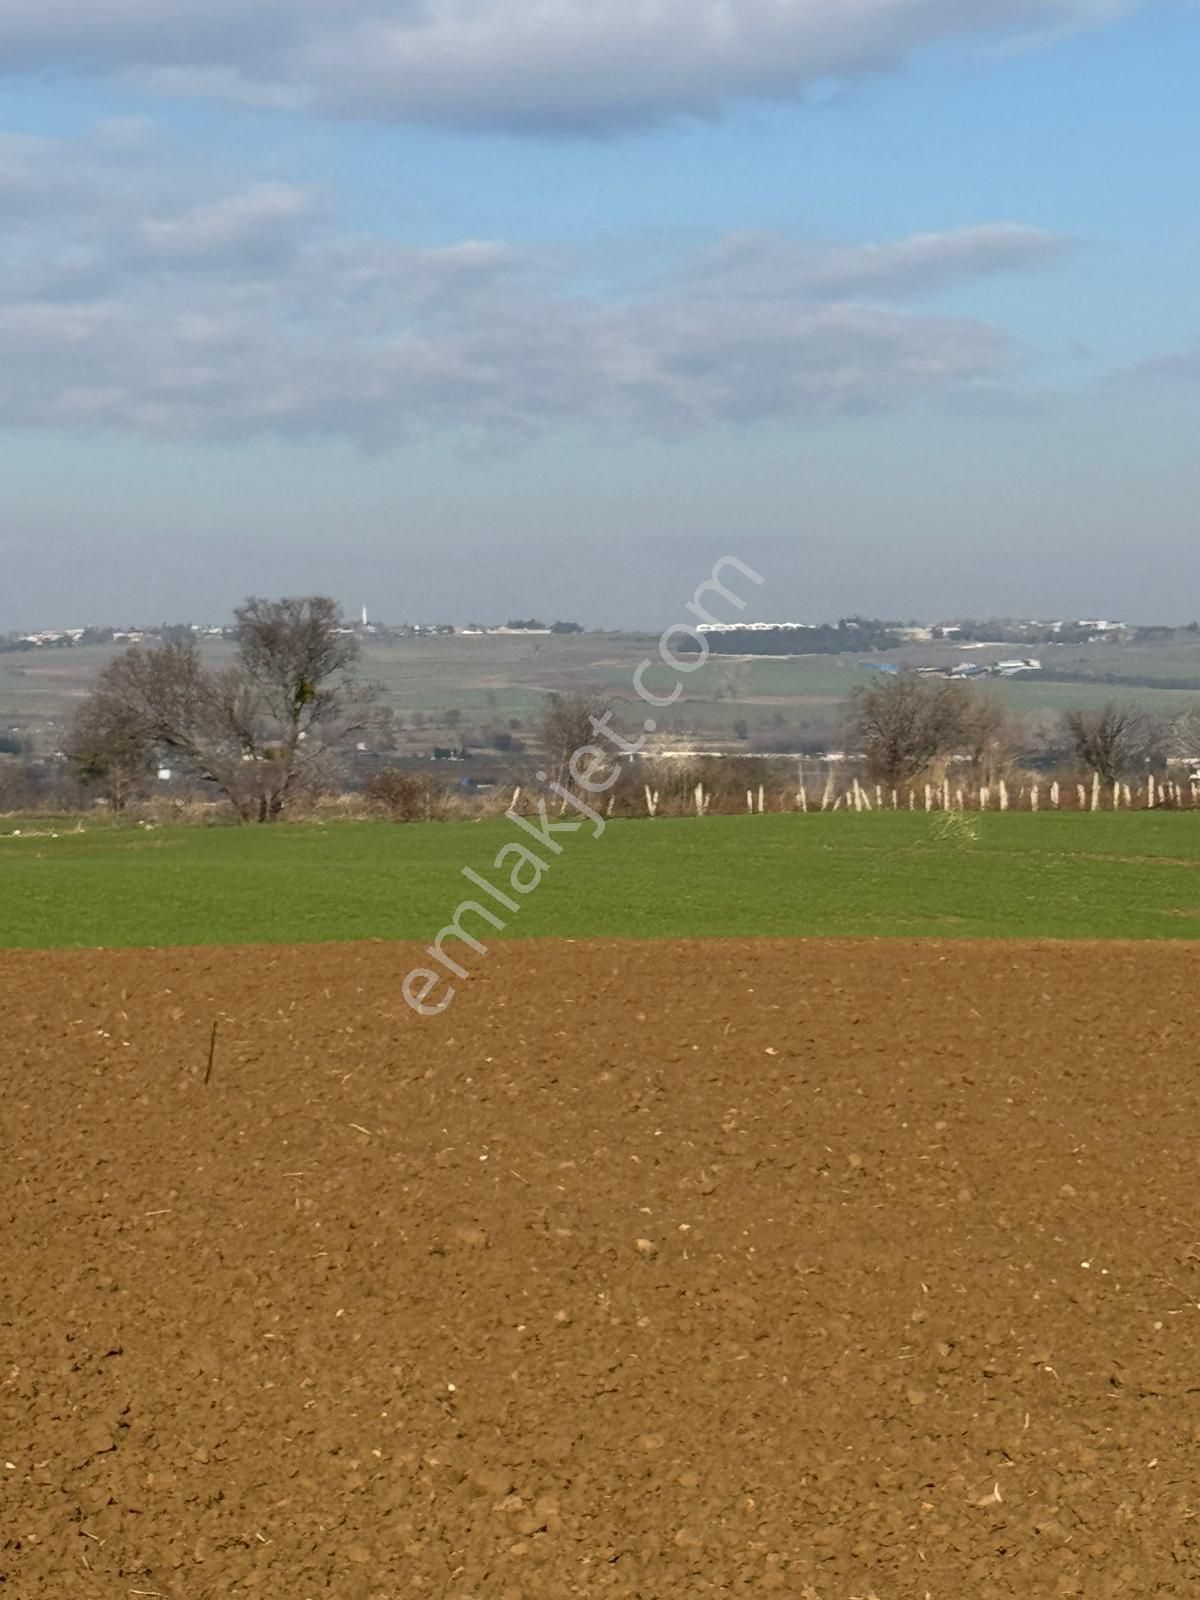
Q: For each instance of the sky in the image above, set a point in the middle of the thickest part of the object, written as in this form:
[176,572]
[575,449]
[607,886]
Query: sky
[466,309]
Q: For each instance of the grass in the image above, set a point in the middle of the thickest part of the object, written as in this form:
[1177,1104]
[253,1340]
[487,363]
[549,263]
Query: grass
[1051,876]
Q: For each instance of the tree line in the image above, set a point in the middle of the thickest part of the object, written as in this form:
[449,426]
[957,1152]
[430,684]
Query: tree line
[908,727]
[268,729]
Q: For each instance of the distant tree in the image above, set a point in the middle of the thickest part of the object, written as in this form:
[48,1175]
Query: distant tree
[564,727]
[565,627]
[110,748]
[1113,740]
[385,725]
[989,737]
[258,731]
[905,724]
[1184,736]
[741,728]
[16,791]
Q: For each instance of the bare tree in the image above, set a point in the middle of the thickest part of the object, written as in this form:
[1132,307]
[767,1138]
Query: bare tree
[1184,736]
[564,727]
[905,724]
[989,738]
[258,730]
[1113,740]
[296,692]
[15,789]
[109,749]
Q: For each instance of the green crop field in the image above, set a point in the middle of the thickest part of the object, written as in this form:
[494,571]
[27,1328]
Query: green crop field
[1054,876]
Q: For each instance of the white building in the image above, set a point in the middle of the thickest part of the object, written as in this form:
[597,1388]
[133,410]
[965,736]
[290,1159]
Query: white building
[751,627]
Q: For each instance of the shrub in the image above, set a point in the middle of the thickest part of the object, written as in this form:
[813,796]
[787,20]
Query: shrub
[409,796]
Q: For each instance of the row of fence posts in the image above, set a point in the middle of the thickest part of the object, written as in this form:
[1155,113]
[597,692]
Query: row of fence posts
[1155,794]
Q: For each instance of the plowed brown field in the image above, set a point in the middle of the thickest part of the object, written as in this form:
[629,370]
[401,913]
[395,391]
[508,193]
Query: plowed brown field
[657,1271]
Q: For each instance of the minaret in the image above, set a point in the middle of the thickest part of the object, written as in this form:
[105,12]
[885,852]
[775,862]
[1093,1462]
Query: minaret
[364,622]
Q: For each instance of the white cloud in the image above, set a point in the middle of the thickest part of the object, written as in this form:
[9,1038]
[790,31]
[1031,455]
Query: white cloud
[136,297]
[526,65]
[266,220]
[765,266]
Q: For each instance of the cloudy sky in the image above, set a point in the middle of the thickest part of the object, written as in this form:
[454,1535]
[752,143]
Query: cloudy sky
[465,307]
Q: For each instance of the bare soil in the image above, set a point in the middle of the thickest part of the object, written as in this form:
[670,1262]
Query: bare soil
[823,1270]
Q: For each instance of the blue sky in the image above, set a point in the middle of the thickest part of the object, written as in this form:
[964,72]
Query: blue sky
[906,316]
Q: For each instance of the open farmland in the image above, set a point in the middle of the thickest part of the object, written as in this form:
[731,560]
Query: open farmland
[1063,876]
[679,1256]
[824,1270]
[494,681]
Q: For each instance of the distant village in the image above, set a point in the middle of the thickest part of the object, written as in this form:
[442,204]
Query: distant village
[862,635]
[65,638]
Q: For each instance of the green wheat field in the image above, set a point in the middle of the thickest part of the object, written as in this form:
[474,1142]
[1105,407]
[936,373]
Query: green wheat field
[1070,876]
